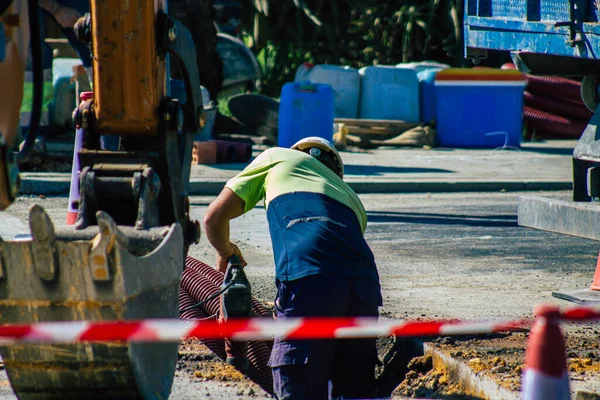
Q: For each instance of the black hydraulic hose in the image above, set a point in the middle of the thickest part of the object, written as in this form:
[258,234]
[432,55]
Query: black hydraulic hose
[214,296]
[38,78]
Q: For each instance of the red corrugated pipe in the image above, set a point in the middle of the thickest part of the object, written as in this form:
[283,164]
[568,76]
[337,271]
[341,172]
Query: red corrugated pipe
[185,301]
[554,86]
[201,281]
[201,288]
[217,277]
[557,106]
[550,125]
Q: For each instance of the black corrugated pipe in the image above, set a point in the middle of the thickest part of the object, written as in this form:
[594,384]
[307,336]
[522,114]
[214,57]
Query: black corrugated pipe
[38,78]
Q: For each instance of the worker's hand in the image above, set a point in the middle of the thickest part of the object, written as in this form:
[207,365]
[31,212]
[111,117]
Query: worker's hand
[223,259]
[66,16]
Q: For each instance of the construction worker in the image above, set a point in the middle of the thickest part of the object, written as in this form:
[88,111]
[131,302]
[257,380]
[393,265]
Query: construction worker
[324,267]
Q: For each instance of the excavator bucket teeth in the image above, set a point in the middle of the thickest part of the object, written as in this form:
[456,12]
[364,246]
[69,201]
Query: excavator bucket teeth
[101,273]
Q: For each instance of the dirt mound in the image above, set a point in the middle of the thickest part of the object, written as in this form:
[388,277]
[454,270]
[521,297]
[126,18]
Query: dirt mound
[200,364]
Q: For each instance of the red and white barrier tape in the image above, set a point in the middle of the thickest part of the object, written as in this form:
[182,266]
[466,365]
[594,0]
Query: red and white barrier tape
[581,313]
[169,330]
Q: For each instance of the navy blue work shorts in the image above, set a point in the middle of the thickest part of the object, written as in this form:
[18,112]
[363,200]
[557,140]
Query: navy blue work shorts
[318,369]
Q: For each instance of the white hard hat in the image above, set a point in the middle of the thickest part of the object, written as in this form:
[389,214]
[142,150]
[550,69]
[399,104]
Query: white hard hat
[325,145]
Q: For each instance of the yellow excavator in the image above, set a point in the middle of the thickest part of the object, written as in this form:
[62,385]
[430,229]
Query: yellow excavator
[124,256]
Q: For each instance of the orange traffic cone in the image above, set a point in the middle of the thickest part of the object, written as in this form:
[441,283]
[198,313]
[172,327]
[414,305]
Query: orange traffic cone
[596,281]
[546,376]
[584,296]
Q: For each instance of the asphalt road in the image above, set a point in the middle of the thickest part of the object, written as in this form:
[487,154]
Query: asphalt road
[445,255]
[459,255]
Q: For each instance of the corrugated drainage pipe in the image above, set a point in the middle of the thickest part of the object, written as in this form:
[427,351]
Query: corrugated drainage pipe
[201,281]
[557,106]
[554,86]
[550,125]
[201,288]
[185,300]
[217,277]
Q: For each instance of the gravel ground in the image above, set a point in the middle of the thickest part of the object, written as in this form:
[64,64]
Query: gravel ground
[458,255]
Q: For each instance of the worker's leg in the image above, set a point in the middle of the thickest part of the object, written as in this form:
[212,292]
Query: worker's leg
[355,360]
[302,368]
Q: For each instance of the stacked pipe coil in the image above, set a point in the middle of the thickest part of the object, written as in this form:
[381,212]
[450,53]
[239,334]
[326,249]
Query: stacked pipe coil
[556,106]
[554,86]
[553,107]
[560,127]
[199,282]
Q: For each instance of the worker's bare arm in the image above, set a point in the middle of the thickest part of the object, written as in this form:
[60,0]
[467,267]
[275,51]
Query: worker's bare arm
[223,209]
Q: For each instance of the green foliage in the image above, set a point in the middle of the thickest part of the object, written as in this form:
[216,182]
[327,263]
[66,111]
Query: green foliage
[224,106]
[286,33]
[28,96]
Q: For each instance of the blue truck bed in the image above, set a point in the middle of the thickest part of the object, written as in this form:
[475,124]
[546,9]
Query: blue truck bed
[552,27]
[548,37]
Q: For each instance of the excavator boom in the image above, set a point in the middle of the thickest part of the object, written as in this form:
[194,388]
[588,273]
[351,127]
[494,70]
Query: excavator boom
[124,256]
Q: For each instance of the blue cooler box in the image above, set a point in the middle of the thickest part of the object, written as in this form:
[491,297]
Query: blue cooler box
[479,108]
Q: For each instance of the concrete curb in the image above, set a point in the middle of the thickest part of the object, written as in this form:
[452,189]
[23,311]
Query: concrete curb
[565,217]
[58,185]
[46,187]
[467,379]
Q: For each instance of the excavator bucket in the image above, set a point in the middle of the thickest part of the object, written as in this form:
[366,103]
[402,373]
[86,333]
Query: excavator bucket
[103,272]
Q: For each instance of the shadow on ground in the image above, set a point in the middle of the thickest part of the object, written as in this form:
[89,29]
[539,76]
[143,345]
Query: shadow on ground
[443,219]
[561,151]
[350,169]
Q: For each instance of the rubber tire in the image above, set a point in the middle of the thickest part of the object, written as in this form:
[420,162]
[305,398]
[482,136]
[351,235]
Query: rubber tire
[589,91]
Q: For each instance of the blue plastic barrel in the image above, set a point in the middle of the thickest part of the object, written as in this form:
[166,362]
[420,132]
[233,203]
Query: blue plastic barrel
[305,109]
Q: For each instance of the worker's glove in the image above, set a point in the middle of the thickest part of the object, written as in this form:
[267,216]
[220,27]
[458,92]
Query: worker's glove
[66,16]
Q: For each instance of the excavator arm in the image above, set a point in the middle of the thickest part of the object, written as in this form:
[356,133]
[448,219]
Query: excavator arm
[124,256]
[145,182]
